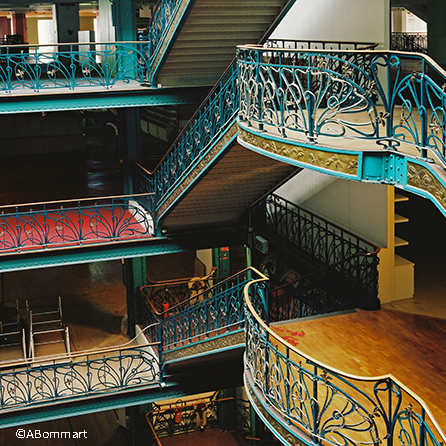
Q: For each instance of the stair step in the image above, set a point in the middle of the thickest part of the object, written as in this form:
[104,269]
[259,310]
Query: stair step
[401,261]
[400,197]
[400,242]
[400,219]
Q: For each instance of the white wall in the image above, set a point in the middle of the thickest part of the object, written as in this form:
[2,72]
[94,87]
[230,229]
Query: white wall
[205,256]
[360,208]
[337,20]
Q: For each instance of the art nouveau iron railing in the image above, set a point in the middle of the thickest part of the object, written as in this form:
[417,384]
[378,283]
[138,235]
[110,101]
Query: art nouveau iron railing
[57,378]
[386,99]
[324,406]
[317,293]
[209,122]
[175,291]
[327,242]
[185,415]
[71,223]
[213,312]
[159,24]
[27,68]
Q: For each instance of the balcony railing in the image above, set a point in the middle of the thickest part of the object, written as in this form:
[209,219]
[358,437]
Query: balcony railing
[384,99]
[57,378]
[409,42]
[69,67]
[74,223]
[321,405]
[318,44]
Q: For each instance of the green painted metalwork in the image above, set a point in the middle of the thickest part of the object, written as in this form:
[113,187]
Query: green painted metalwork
[322,97]
[93,100]
[210,123]
[211,313]
[302,400]
[71,376]
[91,405]
[221,260]
[113,251]
[31,69]
[74,223]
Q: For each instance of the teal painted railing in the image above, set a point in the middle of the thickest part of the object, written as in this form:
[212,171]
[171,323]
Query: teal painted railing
[395,101]
[66,377]
[159,25]
[299,397]
[213,312]
[74,223]
[209,123]
[80,66]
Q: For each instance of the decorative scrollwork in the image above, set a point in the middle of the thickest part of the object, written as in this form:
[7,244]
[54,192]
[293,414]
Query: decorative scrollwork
[76,67]
[195,142]
[96,374]
[307,95]
[325,405]
[81,223]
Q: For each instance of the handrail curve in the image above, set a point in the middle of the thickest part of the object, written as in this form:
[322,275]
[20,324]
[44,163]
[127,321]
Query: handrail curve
[326,377]
[80,353]
[316,96]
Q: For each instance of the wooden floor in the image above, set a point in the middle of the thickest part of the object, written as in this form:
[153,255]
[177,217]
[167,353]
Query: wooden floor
[371,343]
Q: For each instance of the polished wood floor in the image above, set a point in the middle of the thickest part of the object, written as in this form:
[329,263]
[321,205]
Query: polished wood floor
[371,343]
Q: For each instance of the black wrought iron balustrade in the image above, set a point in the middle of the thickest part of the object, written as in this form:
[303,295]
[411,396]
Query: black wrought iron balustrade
[209,122]
[76,66]
[409,42]
[312,95]
[352,261]
[321,405]
[325,291]
[318,44]
[74,223]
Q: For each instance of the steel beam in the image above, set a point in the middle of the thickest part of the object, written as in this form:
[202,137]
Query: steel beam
[89,100]
[89,405]
[116,251]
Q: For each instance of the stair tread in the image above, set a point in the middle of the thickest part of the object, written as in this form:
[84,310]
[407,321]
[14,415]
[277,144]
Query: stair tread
[398,241]
[400,218]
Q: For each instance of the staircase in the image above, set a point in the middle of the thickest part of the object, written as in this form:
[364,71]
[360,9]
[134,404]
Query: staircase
[204,42]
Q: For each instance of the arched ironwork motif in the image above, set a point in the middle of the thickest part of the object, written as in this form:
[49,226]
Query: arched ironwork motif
[312,95]
[72,66]
[80,374]
[67,223]
[323,404]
